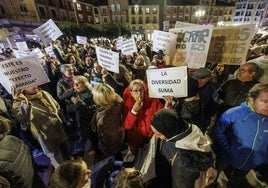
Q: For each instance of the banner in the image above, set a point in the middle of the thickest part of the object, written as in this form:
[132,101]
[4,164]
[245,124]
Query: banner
[48,32]
[167,82]
[129,46]
[229,45]
[22,73]
[81,40]
[192,45]
[108,59]
[164,41]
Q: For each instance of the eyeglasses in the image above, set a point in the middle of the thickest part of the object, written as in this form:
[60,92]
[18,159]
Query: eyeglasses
[243,70]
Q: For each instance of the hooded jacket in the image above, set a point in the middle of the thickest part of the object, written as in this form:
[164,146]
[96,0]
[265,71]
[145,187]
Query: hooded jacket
[242,135]
[194,156]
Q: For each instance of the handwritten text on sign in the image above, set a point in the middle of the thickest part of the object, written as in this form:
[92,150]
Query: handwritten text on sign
[48,32]
[129,46]
[192,45]
[22,73]
[229,45]
[108,59]
[164,41]
[167,82]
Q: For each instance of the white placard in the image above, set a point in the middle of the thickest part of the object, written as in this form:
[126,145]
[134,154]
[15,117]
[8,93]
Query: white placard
[20,54]
[129,46]
[81,39]
[22,73]
[49,50]
[108,59]
[165,25]
[37,52]
[22,46]
[167,82]
[119,41]
[192,45]
[48,32]
[179,24]
[164,41]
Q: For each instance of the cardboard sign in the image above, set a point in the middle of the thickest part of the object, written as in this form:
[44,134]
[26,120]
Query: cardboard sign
[108,59]
[229,45]
[192,45]
[167,82]
[129,46]
[22,73]
[81,40]
[164,41]
[48,32]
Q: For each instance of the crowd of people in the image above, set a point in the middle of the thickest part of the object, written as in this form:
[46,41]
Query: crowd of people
[220,127]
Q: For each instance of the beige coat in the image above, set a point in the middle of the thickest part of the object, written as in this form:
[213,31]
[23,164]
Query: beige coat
[41,122]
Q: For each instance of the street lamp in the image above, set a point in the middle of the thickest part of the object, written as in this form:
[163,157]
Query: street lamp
[75,12]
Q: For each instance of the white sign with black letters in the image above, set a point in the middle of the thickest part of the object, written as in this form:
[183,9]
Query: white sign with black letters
[48,32]
[22,73]
[167,82]
[108,59]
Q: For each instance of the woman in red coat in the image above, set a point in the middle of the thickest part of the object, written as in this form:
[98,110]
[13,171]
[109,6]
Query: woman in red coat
[138,111]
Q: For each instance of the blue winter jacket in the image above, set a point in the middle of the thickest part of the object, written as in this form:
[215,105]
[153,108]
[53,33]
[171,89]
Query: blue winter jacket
[242,137]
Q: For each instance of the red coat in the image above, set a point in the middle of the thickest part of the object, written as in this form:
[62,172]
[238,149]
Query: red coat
[139,126]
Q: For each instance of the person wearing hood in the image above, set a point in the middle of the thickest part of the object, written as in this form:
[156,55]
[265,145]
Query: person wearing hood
[184,152]
[241,137]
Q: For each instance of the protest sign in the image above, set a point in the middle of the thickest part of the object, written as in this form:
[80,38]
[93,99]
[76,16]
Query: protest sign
[48,32]
[129,46]
[22,73]
[37,52]
[49,50]
[164,41]
[179,24]
[81,39]
[20,54]
[167,82]
[165,26]
[22,46]
[119,41]
[229,45]
[108,59]
[192,45]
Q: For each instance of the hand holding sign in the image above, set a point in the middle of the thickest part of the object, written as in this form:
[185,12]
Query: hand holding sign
[18,95]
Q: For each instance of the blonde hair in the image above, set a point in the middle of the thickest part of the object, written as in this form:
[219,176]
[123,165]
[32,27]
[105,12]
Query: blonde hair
[104,95]
[135,82]
[128,179]
[83,80]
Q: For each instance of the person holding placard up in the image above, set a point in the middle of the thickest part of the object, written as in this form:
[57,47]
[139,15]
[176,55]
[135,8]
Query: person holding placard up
[138,110]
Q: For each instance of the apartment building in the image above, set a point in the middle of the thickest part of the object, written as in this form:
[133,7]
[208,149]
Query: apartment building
[249,12]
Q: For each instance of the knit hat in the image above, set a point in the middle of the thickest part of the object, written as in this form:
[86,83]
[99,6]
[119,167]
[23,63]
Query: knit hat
[202,73]
[168,123]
